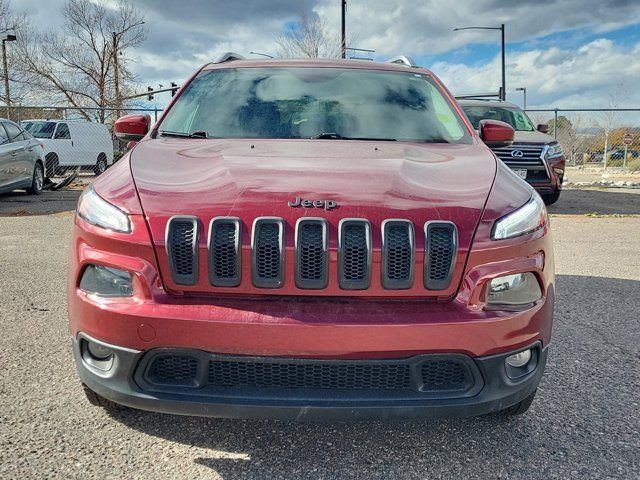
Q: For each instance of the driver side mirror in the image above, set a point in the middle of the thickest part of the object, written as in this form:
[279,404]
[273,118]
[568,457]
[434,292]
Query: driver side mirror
[132,127]
[496,134]
[543,128]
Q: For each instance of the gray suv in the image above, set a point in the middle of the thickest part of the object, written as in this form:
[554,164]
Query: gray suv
[21,164]
[534,156]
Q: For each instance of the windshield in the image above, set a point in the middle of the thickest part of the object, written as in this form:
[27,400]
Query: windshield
[332,103]
[513,116]
[40,129]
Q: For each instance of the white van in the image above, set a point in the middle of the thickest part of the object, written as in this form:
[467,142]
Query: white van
[72,144]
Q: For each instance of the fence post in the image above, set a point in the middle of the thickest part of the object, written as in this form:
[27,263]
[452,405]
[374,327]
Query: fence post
[555,123]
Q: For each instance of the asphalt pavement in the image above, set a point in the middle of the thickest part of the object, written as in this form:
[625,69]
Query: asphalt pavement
[584,422]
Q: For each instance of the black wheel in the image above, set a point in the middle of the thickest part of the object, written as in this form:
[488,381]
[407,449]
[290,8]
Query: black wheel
[37,181]
[99,401]
[101,164]
[53,166]
[521,407]
[551,198]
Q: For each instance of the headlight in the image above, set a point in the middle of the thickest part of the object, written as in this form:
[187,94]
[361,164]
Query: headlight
[554,151]
[528,218]
[514,290]
[99,212]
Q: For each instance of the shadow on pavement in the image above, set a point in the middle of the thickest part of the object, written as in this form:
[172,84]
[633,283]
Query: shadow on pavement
[575,420]
[19,203]
[604,201]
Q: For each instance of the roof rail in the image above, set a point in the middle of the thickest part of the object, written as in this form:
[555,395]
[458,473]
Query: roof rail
[403,60]
[229,57]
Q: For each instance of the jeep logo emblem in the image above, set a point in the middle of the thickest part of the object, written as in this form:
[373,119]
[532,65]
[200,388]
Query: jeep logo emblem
[517,153]
[326,204]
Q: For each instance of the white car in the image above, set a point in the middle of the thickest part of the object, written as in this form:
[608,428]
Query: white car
[72,144]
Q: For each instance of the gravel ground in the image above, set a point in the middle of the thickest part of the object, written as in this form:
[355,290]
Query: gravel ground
[584,423]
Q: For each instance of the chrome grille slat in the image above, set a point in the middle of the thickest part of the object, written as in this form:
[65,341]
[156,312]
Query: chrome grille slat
[225,240]
[398,254]
[312,253]
[441,248]
[354,254]
[267,252]
[181,240]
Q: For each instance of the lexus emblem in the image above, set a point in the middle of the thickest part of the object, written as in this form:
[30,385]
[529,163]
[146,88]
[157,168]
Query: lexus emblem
[517,153]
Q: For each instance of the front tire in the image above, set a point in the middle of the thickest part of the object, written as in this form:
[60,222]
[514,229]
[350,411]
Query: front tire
[551,198]
[37,181]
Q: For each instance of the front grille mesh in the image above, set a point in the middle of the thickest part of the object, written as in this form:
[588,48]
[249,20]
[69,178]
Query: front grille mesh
[182,239]
[417,375]
[301,375]
[311,269]
[441,240]
[444,375]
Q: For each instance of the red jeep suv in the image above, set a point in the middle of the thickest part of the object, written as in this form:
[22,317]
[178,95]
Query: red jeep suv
[304,239]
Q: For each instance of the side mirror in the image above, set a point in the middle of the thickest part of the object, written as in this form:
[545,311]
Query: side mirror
[496,134]
[543,128]
[132,127]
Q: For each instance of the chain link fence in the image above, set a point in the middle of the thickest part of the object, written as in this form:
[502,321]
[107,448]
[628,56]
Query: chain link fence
[603,138]
[76,140]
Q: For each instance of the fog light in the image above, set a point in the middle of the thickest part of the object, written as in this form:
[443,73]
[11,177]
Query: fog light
[106,281]
[520,359]
[514,290]
[99,352]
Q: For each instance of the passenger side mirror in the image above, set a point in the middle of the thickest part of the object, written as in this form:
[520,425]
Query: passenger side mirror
[496,134]
[132,127]
[543,128]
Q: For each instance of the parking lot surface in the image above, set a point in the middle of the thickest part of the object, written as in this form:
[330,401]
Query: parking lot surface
[584,423]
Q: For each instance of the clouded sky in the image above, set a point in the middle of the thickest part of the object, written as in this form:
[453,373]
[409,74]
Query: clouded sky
[568,53]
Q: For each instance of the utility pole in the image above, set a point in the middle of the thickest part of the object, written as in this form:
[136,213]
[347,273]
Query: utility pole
[116,72]
[524,95]
[5,39]
[344,29]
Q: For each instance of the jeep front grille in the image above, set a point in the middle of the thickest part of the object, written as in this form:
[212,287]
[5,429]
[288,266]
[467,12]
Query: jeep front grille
[441,245]
[267,255]
[311,269]
[225,242]
[312,253]
[182,249]
[354,254]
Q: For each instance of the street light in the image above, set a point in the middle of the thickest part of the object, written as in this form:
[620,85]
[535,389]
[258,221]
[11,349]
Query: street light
[503,93]
[524,94]
[6,38]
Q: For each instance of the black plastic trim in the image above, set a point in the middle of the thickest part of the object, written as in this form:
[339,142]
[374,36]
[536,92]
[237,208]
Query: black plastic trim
[392,284]
[346,284]
[262,282]
[178,278]
[306,283]
[439,284]
[237,278]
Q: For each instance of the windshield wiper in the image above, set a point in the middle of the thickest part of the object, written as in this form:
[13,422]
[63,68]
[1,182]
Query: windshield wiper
[337,136]
[166,133]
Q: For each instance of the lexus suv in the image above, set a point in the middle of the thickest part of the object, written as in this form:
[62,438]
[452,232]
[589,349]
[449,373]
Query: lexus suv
[309,239]
[534,155]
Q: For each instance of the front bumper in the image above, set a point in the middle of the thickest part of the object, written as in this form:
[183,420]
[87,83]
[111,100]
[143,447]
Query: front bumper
[492,390]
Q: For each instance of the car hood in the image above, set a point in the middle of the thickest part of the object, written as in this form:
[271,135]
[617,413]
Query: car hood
[373,180]
[532,137]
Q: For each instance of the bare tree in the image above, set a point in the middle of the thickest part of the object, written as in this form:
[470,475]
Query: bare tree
[309,37]
[76,65]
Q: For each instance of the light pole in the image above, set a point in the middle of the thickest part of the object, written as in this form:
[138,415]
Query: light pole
[6,38]
[503,92]
[344,29]
[524,94]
